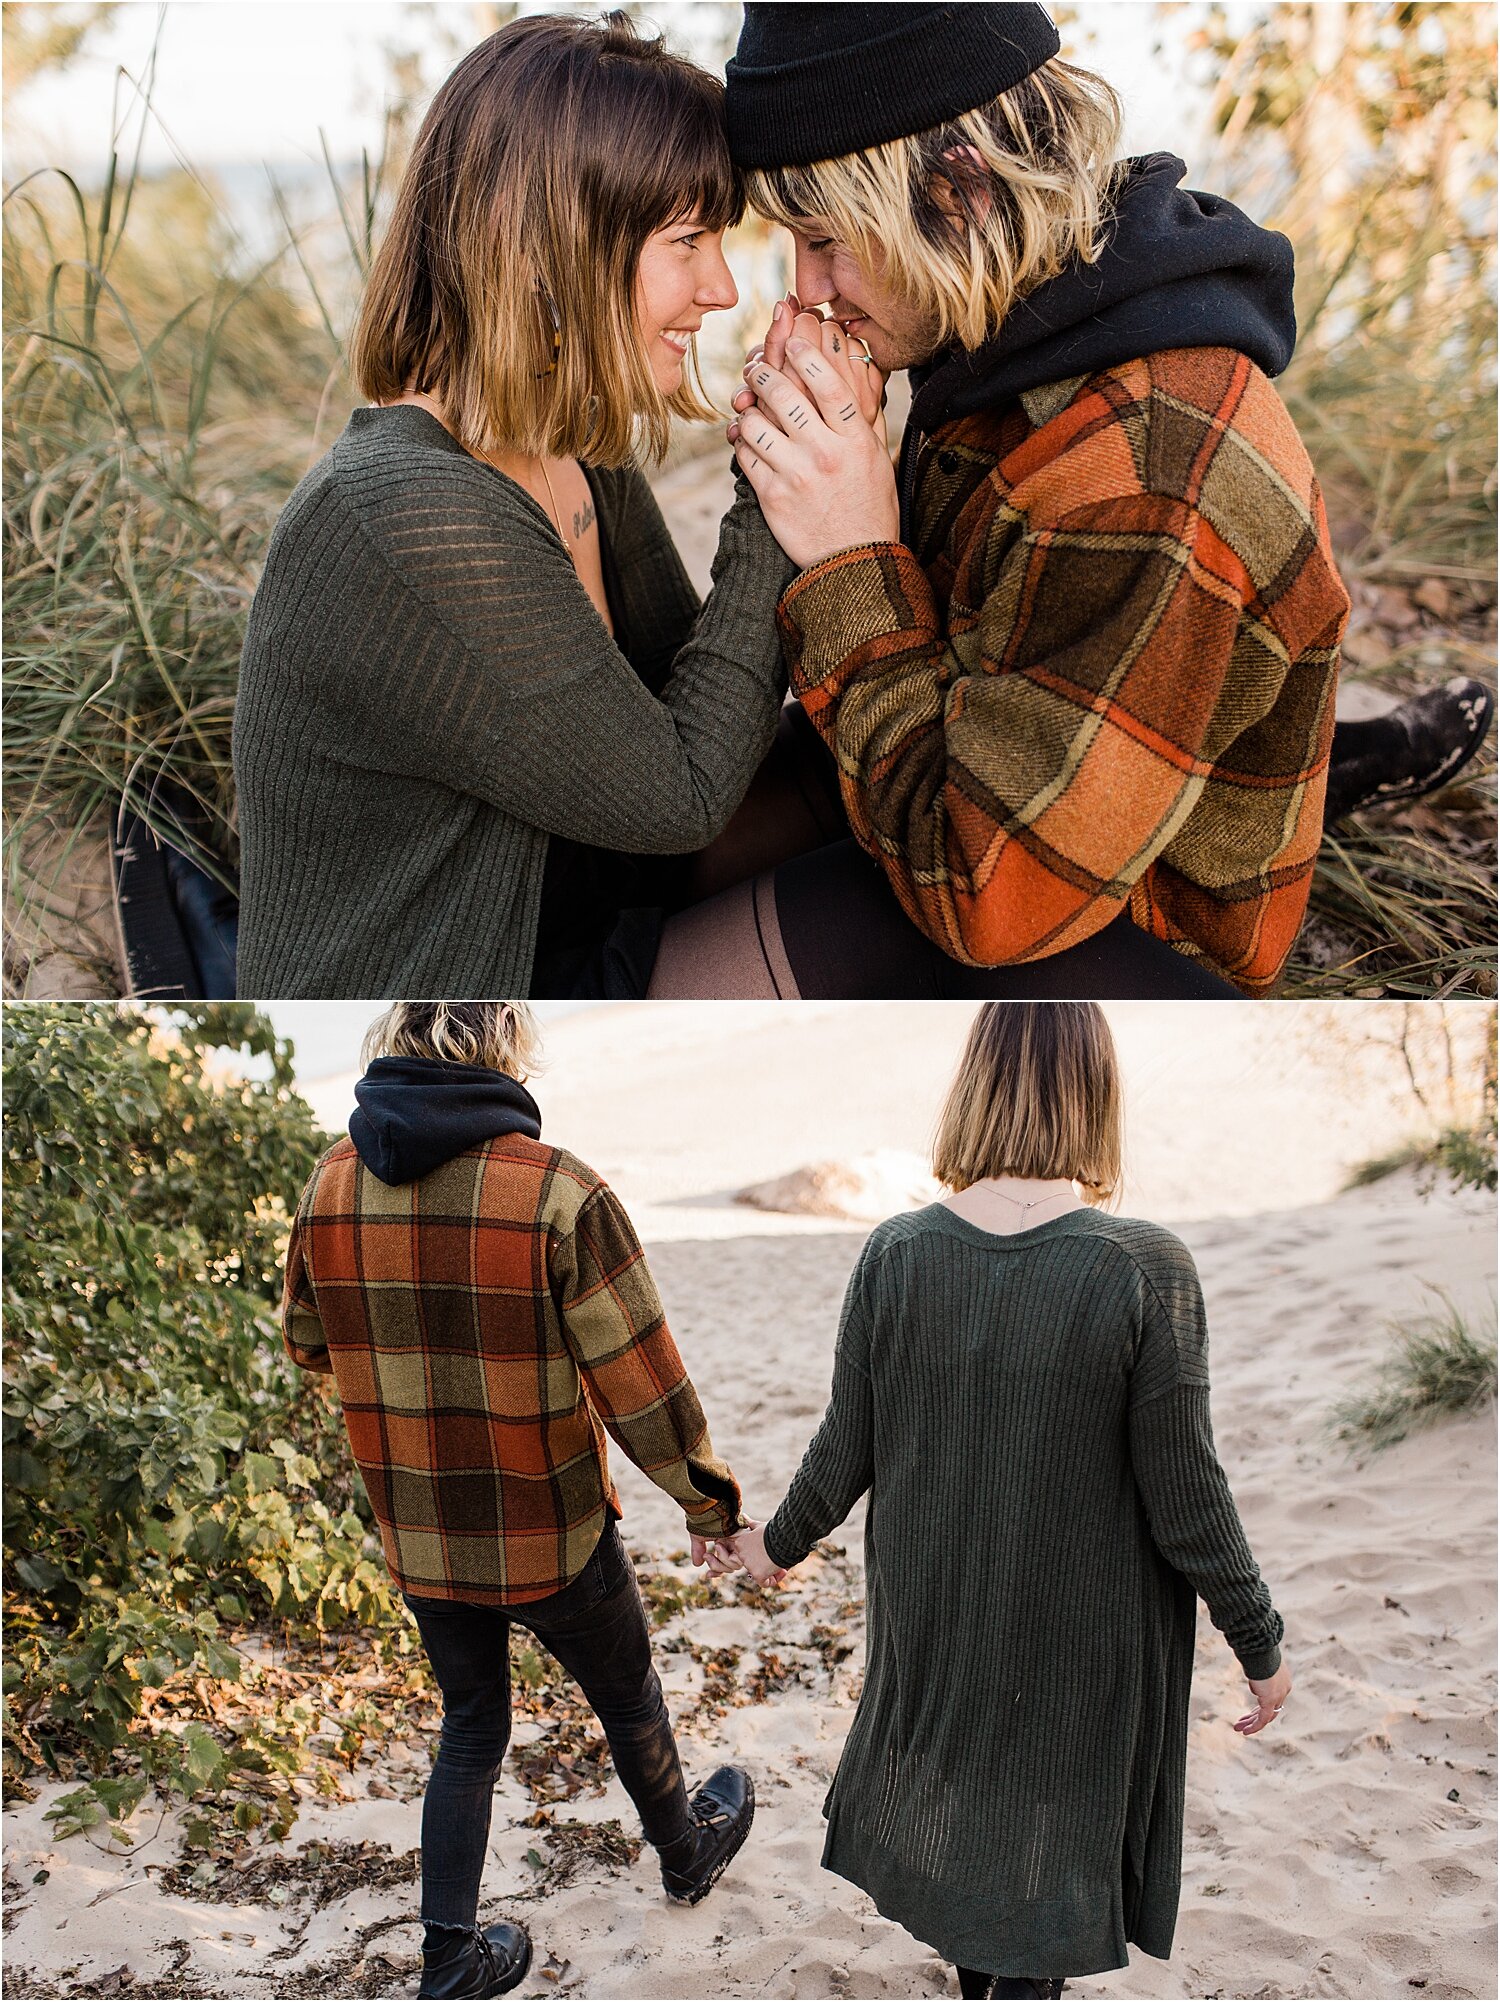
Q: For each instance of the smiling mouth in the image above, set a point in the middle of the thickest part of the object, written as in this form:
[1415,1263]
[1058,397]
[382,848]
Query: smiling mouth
[678,339]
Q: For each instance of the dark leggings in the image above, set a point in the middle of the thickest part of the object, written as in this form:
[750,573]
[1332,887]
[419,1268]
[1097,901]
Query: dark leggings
[787,905]
[596,1628]
[844,933]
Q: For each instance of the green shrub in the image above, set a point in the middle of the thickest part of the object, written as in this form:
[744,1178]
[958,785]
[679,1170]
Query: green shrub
[170,1477]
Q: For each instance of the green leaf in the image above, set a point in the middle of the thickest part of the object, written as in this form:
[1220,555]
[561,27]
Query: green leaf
[262,1473]
[121,1797]
[203,1760]
[40,1573]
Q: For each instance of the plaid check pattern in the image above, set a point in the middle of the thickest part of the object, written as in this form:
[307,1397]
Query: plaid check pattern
[486,1326]
[1102,675]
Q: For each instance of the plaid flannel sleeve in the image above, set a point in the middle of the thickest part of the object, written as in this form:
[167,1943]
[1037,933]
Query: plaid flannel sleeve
[613,1322]
[1016,770]
[301,1326]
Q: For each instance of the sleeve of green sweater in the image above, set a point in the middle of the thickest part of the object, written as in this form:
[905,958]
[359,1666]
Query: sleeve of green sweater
[839,1463]
[491,672]
[1183,1488]
[656,599]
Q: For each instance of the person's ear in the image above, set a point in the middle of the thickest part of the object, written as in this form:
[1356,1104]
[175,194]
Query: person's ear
[976,198]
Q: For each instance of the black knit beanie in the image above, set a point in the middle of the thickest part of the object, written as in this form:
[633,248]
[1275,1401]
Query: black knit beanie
[816,81]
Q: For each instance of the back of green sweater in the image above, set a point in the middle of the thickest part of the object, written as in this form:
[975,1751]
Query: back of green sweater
[1030,1417]
[427,693]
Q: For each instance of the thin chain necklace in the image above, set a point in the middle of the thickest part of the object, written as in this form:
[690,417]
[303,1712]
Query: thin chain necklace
[1024,1207]
[541,466]
[556,513]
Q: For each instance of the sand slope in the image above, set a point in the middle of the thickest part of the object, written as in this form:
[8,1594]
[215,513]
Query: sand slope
[1350,1852]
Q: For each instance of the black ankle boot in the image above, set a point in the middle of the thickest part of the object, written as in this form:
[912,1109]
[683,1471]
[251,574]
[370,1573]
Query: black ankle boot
[1414,749]
[1026,1987]
[462,1962]
[722,1809]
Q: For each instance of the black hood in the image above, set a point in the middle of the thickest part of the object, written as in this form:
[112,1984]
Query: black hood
[1180,270]
[415,1113]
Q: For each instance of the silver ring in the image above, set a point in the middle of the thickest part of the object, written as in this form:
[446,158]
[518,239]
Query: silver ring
[866,358]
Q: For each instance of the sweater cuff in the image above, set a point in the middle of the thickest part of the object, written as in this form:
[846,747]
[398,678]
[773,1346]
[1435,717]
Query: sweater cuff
[1261,1666]
[850,600]
[783,1554]
[716,1520]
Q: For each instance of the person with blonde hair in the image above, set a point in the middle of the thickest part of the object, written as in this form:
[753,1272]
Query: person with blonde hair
[1021,1388]
[1081,681]
[484,1307]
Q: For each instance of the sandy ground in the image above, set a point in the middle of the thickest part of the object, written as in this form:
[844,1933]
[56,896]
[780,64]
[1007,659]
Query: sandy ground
[1348,1852]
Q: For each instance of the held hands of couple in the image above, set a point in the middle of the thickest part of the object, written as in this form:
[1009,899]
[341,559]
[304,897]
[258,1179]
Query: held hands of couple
[744,1551]
[810,438]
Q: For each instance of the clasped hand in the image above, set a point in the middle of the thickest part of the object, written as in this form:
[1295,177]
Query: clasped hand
[744,1551]
[810,438]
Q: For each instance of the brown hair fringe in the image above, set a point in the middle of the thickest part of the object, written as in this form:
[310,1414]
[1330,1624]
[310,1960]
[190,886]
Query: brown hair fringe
[505,285]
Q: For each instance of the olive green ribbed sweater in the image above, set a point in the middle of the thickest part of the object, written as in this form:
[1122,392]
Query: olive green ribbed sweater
[427,692]
[1030,1415]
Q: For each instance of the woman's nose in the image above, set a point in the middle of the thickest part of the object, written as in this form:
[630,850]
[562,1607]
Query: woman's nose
[718,288]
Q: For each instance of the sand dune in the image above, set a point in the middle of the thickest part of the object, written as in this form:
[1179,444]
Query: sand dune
[1348,1852]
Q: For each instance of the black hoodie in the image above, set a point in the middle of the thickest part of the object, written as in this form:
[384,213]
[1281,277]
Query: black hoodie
[415,1113]
[1179,270]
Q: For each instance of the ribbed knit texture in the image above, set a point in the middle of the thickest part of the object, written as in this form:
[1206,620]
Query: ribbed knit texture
[1031,1417]
[426,692]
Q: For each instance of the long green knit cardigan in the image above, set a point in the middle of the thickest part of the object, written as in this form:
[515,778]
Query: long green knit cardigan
[427,693]
[1030,1415]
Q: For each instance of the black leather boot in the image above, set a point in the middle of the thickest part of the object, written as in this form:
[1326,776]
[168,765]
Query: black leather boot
[1025,1988]
[461,1961]
[722,1809]
[1414,749]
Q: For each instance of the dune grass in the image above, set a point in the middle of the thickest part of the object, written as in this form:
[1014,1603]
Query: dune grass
[1438,1368]
[161,398]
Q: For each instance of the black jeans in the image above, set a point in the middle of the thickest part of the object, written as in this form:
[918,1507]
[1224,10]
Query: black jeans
[596,1628]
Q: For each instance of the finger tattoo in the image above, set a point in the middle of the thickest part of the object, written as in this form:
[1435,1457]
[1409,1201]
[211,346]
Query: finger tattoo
[847,412]
[798,416]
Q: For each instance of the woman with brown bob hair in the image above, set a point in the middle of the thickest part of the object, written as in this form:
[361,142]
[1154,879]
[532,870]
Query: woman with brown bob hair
[1021,1387]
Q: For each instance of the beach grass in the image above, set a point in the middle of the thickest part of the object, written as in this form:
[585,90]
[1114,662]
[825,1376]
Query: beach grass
[1410,1154]
[162,394]
[1438,1367]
